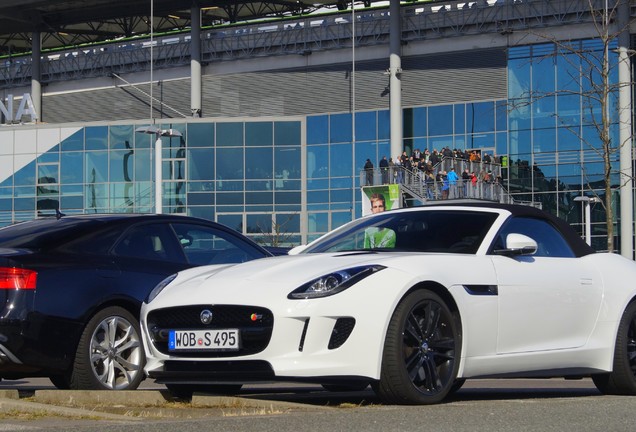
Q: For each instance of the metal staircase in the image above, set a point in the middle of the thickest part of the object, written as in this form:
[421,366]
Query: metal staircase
[416,185]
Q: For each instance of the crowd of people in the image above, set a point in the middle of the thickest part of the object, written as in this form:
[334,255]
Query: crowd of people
[444,174]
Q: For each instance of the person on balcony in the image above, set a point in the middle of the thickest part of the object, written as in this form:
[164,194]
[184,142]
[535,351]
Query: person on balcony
[465,182]
[384,170]
[368,168]
[452,178]
[399,173]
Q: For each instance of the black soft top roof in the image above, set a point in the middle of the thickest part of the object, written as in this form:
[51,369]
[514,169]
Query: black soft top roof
[578,245]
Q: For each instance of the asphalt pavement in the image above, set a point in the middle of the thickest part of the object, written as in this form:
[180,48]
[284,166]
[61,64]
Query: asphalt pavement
[492,405]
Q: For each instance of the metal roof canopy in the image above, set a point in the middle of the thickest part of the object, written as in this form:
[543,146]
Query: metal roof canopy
[74,22]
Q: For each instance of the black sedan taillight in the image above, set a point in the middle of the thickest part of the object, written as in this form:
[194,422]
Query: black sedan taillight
[12,278]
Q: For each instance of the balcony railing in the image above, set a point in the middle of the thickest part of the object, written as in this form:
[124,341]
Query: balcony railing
[484,181]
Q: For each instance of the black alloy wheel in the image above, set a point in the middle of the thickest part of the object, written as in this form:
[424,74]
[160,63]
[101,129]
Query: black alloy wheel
[622,379]
[421,351]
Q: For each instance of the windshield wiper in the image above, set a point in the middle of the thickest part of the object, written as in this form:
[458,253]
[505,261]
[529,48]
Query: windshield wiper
[358,251]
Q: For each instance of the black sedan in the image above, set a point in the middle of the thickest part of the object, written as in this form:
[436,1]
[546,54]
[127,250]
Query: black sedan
[71,289]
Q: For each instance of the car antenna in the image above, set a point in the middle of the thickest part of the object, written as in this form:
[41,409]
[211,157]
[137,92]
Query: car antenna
[58,214]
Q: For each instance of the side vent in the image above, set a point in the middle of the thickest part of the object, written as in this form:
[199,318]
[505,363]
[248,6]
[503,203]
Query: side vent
[341,331]
[302,337]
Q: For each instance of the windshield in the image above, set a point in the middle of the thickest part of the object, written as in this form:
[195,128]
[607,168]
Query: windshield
[456,231]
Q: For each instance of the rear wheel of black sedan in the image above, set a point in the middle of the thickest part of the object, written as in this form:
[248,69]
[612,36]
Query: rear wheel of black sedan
[622,379]
[421,352]
[61,381]
[110,354]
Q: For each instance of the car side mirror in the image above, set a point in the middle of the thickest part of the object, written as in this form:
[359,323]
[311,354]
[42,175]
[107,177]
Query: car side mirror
[518,244]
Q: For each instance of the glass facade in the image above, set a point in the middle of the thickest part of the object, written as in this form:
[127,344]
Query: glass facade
[554,149]
[244,174]
[289,180]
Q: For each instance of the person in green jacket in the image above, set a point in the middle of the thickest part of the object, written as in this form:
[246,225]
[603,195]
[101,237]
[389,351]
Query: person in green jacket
[378,237]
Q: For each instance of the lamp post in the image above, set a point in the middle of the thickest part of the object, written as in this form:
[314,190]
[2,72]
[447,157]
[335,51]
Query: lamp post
[587,201]
[158,132]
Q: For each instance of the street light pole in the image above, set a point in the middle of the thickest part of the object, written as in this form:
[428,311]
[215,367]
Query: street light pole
[587,201]
[153,130]
[158,175]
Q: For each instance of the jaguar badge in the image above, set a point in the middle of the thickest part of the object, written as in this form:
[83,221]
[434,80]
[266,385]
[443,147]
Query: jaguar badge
[206,316]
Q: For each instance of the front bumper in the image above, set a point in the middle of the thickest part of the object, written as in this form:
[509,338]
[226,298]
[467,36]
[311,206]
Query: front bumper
[299,345]
[312,340]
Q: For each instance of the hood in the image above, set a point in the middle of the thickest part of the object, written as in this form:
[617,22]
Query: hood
[260,277]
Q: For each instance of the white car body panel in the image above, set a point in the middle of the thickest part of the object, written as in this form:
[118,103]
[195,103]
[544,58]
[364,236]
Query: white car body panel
[382,289]
[527,322]
[484,313]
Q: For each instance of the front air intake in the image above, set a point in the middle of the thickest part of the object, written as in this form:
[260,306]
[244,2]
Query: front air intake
[341,331]
[303,336]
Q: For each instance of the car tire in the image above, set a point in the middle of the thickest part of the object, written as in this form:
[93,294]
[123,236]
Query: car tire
[110,354]
[458,384]
[421,351]
[622,379]
[185,391]
[61,381]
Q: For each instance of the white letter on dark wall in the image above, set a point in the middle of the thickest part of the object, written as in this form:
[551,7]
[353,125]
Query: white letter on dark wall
[26,108]
[7,111]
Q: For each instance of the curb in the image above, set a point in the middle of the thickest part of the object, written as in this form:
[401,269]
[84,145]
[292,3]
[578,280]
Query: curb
[9,394]
[89,403]
[128,398]
[35,407]
[204,401]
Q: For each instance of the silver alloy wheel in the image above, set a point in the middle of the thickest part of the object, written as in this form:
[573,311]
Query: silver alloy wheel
[116,353]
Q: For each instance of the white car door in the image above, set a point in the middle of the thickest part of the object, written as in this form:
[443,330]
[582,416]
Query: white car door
[545,303]
[549,300]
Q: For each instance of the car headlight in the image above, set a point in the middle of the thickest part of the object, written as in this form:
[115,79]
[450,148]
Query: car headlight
[333,283]
[160,286]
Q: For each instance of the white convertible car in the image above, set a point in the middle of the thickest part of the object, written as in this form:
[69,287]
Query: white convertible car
[458,291]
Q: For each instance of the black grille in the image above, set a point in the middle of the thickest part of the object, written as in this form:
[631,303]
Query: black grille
[341,331]
[254,324]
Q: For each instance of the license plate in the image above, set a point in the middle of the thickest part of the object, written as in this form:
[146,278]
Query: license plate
[210,340]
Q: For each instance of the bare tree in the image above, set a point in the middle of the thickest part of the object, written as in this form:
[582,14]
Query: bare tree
[595,66]
[278,234]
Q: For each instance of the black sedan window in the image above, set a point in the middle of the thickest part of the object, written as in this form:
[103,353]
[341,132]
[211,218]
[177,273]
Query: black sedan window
[150,241]
[204,245]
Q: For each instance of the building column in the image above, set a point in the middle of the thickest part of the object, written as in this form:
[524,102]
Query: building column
[395,83]
[195,61]
[625,133]
[36,74]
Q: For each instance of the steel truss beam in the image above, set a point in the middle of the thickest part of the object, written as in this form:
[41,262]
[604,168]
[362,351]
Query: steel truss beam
[302,36]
